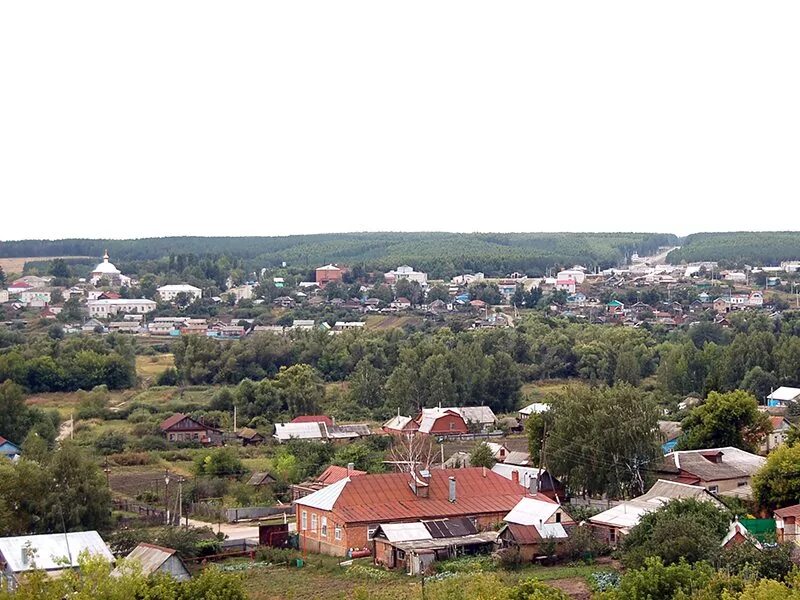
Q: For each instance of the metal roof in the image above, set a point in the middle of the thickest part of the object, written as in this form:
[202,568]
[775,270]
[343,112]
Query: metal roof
[735,463]
[785,394]
[531,511]
[150,557]
[535,408]
[444,528]
[403,532]
[326,498]
[388,497]
[54,551]
[302,431]
[477,414]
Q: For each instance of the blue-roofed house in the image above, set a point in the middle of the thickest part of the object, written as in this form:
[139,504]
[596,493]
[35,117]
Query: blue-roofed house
[8,449]
[670,434]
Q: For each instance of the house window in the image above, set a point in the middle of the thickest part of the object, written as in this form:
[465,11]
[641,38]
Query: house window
[324,528]
[313,523]
[558,517]
[612,535]
[337,533]
[741,484]
[370,531]
[713,489]
[401,555]
[304,520]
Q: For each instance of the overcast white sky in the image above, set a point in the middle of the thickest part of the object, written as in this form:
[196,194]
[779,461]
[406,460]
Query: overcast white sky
[132,119]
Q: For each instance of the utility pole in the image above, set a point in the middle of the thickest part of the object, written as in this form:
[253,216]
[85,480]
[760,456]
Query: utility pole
[541,458]
[166,494]
[180,500]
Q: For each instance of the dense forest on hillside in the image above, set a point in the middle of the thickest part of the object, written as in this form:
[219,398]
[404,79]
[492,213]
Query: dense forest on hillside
[751,247]
[440,254]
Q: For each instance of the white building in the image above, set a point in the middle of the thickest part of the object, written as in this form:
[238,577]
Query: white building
[107,271]
[567,284]
[35,296]
[243,292]
[408,273]
[3,296]
[168,293]
[105,308]
[577,274]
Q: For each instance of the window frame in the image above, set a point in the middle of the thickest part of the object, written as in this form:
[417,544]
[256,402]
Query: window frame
[303,520]
[314,522]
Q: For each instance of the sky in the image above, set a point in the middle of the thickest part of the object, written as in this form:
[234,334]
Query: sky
[138,119]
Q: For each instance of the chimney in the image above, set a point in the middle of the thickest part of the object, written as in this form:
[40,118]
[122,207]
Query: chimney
[452,495]
[515,476]
[350,467]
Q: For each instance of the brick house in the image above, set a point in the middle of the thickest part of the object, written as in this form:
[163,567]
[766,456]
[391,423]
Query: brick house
[327,273]
[341,518]
[183,428]
[720,470]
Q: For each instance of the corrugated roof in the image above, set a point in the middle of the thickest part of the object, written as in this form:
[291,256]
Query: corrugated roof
[522,534]
[399,423]
[403,532]
[173,420]
[477,414]
[518,458]
[52,550]
[150,557]
[301,431]
[431,415]
[531,511]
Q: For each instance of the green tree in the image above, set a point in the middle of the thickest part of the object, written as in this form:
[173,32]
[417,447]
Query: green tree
[759,382]
[59,269]
[437,381]
[15,416]
[366,385]
[725,419]
[438,292]
[601,440]
[777,483]
[657,581]
[687,529]
[482,456]
[301,388]
[220,462]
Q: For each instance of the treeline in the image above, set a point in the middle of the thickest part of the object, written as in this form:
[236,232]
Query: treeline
[390,370]
[739,247]
[76,363]
[440,254]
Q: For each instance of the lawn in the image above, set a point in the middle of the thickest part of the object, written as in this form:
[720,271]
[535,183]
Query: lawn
[150,367]
[536,391]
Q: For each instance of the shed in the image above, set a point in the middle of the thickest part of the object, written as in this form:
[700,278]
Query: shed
[154,559]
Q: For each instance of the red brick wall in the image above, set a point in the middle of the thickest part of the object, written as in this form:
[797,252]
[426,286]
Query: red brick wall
[326,276]
[449,424]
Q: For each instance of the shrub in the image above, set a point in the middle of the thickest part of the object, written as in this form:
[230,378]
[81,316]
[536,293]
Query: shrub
[168,377]
[130,459]
[111,442]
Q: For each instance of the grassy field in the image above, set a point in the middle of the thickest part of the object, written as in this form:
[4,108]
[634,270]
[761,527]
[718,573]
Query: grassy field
[391,321]
[150,367]
[16,265]
[323,579]
[537,390]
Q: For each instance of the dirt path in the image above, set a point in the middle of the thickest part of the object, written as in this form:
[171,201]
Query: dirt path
[65,430]
[574,587]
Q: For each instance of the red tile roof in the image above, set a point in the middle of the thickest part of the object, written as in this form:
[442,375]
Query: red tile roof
[789,511]
[313,419]
[777,422]
[336,473]
[389,498]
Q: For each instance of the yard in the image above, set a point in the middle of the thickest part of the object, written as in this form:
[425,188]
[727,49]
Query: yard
[323,579]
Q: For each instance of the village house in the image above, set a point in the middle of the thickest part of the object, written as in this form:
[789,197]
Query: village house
[725,471]
[611,525]
[239,293]
[670,433]
[533,479]
[168,293]
[777,437]
[183,428]
[52,553]
[533,409]
[532,524]
[400,304]
[152,560]
[250,437]
[783,396]
[326,274]
[40,296]
[8,449]
[400,425]
[108,307]
[441,421]
[786,524]
[407,273]
[342,517]
[478,417]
